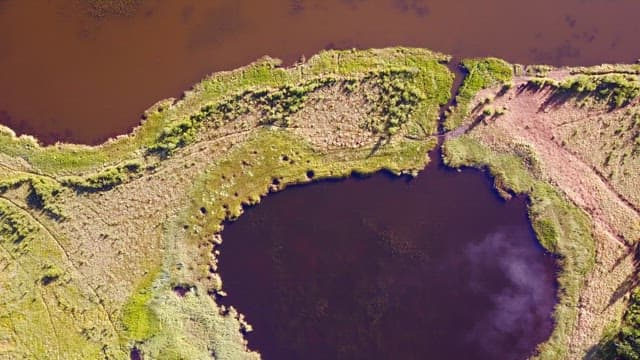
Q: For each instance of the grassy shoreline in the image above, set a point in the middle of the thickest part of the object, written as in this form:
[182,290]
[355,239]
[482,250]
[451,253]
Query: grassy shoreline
[230,140]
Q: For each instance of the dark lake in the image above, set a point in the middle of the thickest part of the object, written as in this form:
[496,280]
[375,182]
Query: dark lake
[437,267]
[71,72]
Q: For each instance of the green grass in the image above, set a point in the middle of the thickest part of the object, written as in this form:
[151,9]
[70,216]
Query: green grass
[68,159]
[105,179]
[395,97]
[138,318]
[46,311]
[410,88]
[623,342]
[406,86]
[560,226]
[42,192]
[481,74]
[277,155]
[617,90]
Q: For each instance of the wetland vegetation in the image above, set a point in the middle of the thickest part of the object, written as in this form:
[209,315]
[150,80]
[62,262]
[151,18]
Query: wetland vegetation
[96,239]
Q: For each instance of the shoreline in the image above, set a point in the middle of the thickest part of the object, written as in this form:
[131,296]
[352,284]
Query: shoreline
[206,143]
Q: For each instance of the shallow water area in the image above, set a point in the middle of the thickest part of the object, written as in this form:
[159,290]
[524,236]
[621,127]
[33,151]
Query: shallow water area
[385,267]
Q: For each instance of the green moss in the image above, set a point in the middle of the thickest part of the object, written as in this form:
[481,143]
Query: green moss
[560,226]
[139,320]
[480,74]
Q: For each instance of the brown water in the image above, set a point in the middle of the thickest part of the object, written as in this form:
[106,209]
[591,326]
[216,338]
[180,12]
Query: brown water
[437,267]
[68,75]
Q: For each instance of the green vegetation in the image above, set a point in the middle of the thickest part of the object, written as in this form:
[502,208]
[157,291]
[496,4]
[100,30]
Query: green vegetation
[541,83]
[61,272]
[13,226]
[51,274]
[276,107]
[617,90]
[538,70]
[480,74]
[394,93]
[631,69]
[138,319]
[625,345]
[105,179]
[42,302]
[273,106]
[42,192]
[288,160]
[180,133]
[487,111]
[393,101]
[560,226]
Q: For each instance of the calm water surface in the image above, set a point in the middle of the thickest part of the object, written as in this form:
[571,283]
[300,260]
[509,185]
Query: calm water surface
[437,267]
[68,75]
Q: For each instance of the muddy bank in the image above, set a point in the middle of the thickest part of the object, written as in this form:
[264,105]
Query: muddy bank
[82,73]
